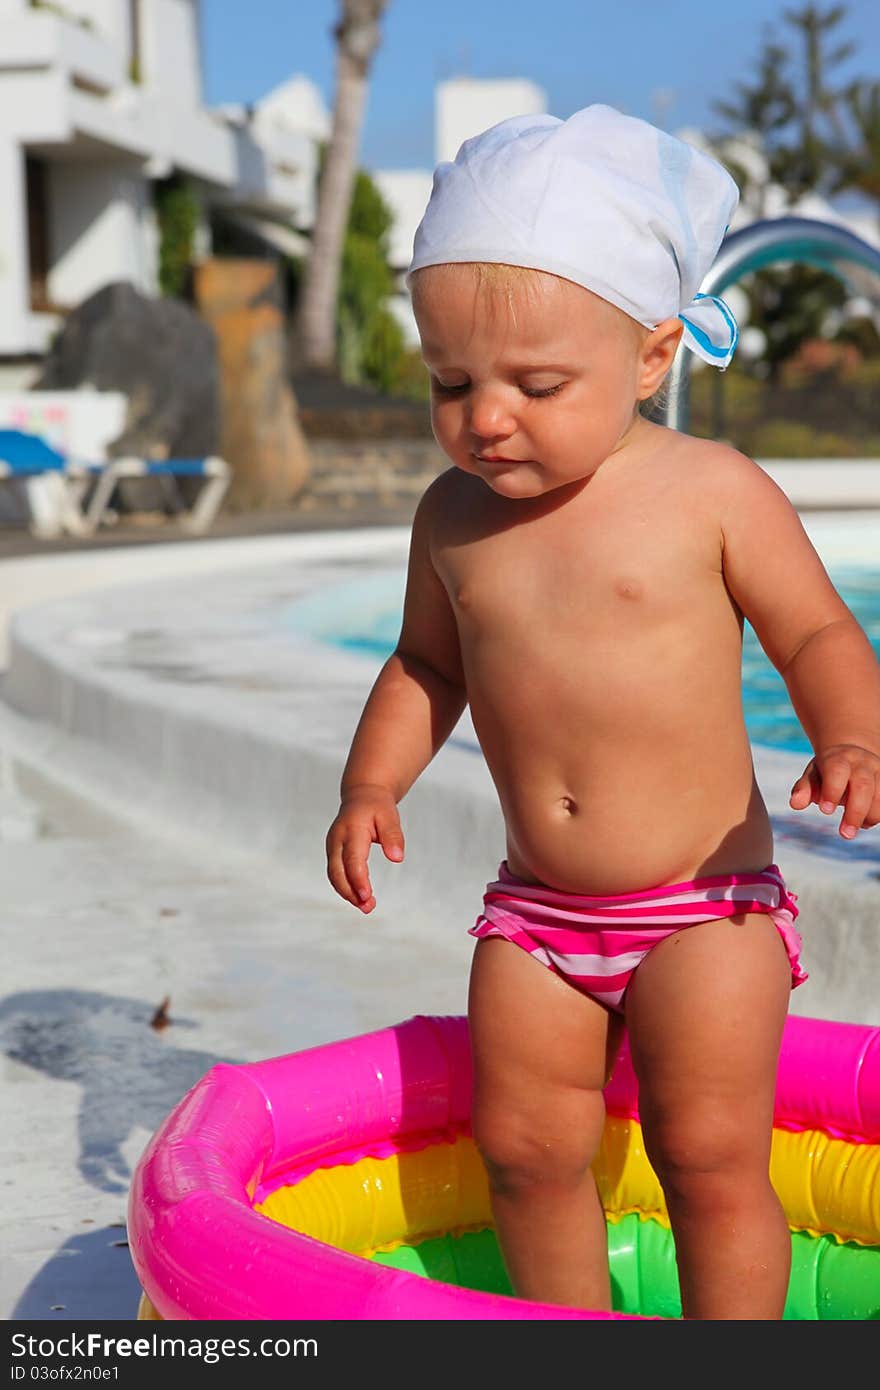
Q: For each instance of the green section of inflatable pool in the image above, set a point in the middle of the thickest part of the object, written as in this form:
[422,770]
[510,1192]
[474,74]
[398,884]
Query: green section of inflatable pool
[830,1281]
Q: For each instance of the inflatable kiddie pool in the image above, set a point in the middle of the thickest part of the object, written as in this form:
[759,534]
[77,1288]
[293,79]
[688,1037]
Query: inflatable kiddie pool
[341,1182]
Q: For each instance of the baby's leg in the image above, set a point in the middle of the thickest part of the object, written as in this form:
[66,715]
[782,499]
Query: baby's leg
[705,1014]
[539,1051]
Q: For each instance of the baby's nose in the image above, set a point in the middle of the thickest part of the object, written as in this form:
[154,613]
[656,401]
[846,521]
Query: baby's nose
[491,413]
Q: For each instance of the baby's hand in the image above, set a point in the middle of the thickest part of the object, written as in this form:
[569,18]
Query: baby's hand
[367,816]
[844,775]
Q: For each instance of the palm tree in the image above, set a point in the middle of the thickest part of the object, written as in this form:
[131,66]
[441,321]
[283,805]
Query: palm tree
[760,110]
[860,163]
[357,36]
[807,164]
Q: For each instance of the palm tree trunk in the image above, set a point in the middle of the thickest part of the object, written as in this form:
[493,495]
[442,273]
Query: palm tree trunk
[357,38]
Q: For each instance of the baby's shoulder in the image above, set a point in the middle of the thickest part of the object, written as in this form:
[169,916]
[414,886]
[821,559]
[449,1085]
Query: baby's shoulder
[721,474]
[688,450]
[442,489]
[450,495]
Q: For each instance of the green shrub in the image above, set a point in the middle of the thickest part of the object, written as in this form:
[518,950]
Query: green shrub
[788,439]
[365,283]
[177,212]
[412,379]
[829,414]
[381,350]
[370,342]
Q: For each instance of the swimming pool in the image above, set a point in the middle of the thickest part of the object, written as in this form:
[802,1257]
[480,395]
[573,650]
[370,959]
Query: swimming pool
[364,617]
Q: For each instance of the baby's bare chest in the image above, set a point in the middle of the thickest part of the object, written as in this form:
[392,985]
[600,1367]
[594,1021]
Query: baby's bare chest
[638,580]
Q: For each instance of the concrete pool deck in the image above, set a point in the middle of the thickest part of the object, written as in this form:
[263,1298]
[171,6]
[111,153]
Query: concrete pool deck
[170,762]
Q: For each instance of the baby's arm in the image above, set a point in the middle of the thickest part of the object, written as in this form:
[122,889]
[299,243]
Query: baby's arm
[415,703]
[822,653]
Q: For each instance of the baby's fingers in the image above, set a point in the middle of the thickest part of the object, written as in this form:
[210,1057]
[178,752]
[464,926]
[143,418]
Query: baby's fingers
[862,803]
[390,836]
[837,772]
[347,868]
[354,860]
[806,788]
[848,778]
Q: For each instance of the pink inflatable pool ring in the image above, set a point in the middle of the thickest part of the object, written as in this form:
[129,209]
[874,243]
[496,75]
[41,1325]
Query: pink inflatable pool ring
[341,1182]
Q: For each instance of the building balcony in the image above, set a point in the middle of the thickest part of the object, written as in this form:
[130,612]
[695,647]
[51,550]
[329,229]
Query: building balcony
[38,40]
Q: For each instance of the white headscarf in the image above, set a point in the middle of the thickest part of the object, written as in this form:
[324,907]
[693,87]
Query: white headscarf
[606,200]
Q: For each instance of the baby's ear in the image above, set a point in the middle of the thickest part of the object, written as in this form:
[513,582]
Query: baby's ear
[657,354]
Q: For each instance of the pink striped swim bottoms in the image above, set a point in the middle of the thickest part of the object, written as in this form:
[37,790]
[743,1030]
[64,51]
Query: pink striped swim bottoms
[596,943]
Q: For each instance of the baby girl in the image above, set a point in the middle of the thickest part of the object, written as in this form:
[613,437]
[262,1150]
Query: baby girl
[579,577]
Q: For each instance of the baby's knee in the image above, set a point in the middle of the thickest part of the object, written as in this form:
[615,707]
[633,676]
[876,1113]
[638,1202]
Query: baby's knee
[537,1149]
[701,1150]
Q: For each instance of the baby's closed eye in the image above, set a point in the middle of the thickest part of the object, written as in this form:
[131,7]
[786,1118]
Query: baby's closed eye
[450,386]
[460,387]
[539,391]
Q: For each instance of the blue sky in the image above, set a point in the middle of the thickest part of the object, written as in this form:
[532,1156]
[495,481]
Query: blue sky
[663,62]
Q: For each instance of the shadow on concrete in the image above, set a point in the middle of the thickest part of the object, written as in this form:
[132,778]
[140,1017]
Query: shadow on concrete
[89,1278]
[131,1074]
[824,840]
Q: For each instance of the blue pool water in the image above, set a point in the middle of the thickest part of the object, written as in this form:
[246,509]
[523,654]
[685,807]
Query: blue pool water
[365,617]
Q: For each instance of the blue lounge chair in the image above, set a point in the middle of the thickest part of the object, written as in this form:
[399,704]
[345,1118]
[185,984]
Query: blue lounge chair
[54,483]
[214,471]
[79,508]
[26,455]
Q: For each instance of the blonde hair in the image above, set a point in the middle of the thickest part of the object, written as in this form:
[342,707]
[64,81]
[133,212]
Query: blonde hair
[496,282]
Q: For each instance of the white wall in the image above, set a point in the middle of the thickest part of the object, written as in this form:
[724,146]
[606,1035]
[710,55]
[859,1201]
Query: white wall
[170,49]
[80,423]
[296,104]
[406,191]
[14,270]
[464,106]
[289,122]
[400,308]
[80,10]
[98,209]
[112,20]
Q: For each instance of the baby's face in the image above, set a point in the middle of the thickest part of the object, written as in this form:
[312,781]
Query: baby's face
[534,380]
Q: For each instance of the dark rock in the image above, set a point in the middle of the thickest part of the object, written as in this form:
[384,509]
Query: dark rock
[163,357]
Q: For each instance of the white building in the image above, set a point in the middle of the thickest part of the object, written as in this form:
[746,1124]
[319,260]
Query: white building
[99,99]
[464,106]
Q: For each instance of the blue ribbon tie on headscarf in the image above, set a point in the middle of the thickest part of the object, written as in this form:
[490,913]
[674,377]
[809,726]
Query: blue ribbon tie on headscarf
[710,329]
